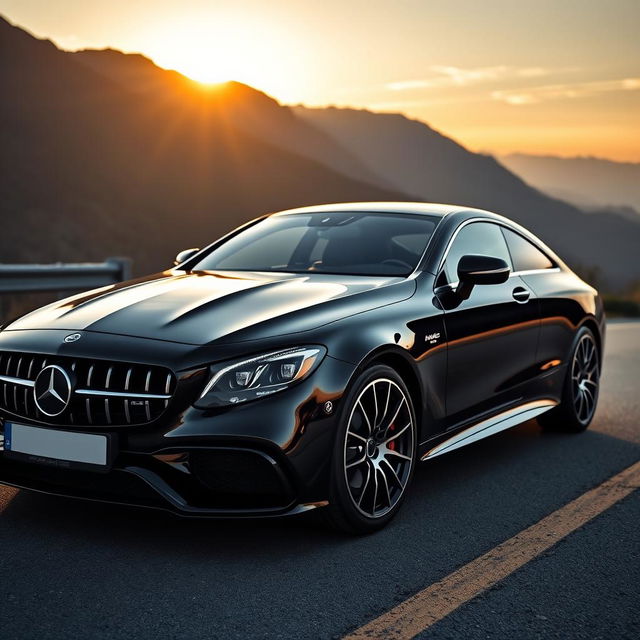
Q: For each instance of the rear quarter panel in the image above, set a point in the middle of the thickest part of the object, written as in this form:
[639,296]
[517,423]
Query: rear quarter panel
[566,303]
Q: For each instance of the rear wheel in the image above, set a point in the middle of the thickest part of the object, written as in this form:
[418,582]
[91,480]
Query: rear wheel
[374,453]
[581,387]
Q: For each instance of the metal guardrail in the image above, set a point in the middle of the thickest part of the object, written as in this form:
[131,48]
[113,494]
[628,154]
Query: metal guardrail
[36,278]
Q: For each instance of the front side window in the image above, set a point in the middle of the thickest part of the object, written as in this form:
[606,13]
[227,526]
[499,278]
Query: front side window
[477,238]
[377,244]
[525,256]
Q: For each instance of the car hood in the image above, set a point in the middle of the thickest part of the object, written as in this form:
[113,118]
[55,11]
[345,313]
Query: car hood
[205,307]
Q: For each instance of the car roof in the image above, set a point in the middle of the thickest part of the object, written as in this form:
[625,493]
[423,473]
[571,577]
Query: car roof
[426,208]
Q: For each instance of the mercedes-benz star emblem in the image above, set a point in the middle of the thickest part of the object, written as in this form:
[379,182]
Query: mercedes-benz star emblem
[52,390]
[73,337]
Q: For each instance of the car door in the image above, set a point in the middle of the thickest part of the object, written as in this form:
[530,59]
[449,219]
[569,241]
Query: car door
[491,336]
[559,298]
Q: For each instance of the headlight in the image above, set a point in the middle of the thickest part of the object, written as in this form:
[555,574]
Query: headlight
[249,379]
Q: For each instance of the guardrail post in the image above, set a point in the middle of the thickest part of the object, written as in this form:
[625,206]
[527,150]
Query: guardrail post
[124,265]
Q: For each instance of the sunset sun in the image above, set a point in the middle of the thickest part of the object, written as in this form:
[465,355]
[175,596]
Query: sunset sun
[207,57]
[214,49]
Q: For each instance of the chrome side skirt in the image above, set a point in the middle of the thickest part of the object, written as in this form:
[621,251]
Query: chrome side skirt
[485,428]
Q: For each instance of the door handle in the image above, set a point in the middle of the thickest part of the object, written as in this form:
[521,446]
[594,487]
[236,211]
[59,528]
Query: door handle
[520,294]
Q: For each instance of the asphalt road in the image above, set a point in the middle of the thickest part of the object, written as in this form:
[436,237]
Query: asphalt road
[74,569]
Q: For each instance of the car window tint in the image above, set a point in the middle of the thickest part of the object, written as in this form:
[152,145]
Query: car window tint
[318,250]
[477,238]
[273,250]
[338,242]
[524,254]
[414,244]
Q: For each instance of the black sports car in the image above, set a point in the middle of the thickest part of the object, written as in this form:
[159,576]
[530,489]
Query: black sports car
[308,359]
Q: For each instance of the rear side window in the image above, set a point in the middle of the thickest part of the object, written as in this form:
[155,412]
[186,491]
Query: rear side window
[477,238]
[525,255]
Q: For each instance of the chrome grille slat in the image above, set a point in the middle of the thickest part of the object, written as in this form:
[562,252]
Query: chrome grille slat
[121,394]
[147,383]
[110,393]
[19,381]
[127,382]
[107,410]
[167,386]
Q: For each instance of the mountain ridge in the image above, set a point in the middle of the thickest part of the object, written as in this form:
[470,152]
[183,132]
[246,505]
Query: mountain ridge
[587,181]
[90,168]
[416,158]
[248,108]
[106,153]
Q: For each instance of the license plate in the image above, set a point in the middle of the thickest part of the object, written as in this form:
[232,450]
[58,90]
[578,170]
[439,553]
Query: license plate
[49,445]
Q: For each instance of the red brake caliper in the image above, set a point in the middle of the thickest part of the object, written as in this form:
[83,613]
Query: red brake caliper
[392,444]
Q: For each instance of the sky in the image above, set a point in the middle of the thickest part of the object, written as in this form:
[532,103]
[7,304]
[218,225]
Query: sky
[557,77]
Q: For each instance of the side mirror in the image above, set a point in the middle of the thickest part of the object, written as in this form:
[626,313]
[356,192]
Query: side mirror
[473,270]
[183,256]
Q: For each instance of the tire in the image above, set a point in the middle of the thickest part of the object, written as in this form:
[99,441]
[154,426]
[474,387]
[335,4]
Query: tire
[374,454]
[581,388]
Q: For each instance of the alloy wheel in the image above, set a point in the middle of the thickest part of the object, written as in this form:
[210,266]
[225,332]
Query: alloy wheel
[585,378]
[378,447]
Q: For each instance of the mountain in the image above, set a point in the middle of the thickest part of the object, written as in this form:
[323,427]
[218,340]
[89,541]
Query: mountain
[250,110]
[585,181]
[417,159]
[104,153]
[92,166]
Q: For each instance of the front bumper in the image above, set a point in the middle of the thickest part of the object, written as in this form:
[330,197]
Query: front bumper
[269,457]
[137,486]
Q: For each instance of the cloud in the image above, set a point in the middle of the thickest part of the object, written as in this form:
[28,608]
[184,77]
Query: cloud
[469,76]
[403,85]
[536,72]
[445,76]
[535,95]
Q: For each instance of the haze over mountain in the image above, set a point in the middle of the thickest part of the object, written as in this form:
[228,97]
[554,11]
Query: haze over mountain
[416,159]
[585,181]
[103,153]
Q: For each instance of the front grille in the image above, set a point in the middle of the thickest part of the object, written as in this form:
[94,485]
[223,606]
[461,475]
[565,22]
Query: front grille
[104,393]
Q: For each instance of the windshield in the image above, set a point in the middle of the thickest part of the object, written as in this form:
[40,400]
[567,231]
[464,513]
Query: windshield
[376,244]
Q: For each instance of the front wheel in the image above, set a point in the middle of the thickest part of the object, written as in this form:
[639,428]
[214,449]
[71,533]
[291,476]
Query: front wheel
[581,387]
[374,454]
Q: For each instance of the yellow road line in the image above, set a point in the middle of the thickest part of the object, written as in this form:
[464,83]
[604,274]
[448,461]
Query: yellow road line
[441,598]
[7,494]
